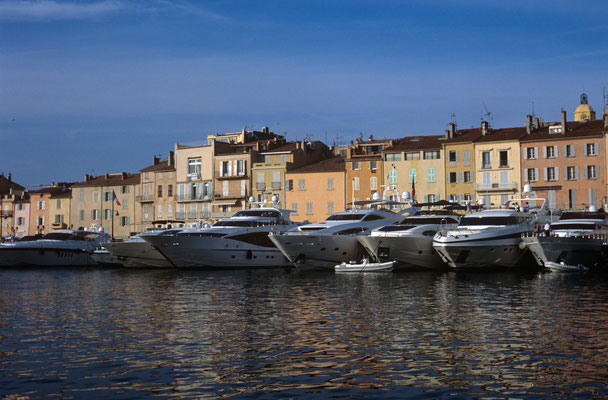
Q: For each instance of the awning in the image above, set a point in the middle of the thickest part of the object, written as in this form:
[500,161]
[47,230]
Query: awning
[224,202]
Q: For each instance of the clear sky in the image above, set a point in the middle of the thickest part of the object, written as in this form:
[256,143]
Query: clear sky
[102,86]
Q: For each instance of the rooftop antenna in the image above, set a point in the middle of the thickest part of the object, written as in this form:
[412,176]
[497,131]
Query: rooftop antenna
[487,116]
[604,96]
[533,115]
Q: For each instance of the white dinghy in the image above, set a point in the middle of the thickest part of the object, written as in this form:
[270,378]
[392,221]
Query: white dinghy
[554,266]
[365,266]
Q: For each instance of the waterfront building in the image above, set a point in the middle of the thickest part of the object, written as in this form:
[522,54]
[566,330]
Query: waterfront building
[498,164]
[565,162]
[316,191]
[194,180]
[459,163]
[365,169]
[92,204]
[243,136]
[415,164]
[21,216]
[9,192]
[60,202]
[157,197]
[268,171]
[39,211]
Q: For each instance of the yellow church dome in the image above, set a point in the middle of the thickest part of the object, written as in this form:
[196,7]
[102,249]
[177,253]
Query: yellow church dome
[584,111]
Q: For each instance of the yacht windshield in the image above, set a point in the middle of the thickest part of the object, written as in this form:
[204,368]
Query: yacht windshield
[345,217]
[559,226]
[58,236]
[258,213]
[498,221]
[428,220]
[229,222]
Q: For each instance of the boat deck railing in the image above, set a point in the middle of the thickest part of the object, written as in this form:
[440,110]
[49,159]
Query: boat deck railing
[601,236]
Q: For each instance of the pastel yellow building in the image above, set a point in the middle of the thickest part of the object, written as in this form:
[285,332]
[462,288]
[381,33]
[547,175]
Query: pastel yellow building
[157,197]
[415,164]
[498,164]
[459,164]
[60,203]
[317,190]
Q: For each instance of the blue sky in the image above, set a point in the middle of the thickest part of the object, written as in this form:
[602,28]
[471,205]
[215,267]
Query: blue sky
[102,86]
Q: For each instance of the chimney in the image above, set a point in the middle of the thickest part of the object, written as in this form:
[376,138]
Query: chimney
[536,123]
[107,176]
[171,159]
[452,130]
[156,160]
[371,137]
[447,133]
[86,177]
[606,117]
[123,175]
[484,128]
[10,177]
[528,124]
[265,129]
[564,127]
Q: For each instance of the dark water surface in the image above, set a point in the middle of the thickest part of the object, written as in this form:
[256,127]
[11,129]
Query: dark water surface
[122,334]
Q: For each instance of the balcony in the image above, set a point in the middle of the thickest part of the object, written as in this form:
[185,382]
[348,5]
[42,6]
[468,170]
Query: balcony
[276,185]
[6,213]
[260,186]
[180,215]
[146,198]
[233,177]
[497,187]
[222,214]
[192,197]
[232,194]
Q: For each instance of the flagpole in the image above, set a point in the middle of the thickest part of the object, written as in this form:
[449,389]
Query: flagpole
[112,229]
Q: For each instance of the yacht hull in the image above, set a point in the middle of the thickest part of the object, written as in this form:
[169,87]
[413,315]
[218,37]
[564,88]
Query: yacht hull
[44,257]
[408,251]
[575,251]
[213,252]
[138,255]
[500,253]
[318,251]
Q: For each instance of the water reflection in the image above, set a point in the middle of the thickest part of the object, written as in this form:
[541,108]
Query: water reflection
[278,334]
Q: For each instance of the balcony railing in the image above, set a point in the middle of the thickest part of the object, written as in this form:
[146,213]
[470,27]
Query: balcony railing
[6,213]
[276,185]
[222,214]
[180,215]
[496,187]
[192,197]
[260,186]
[144,198]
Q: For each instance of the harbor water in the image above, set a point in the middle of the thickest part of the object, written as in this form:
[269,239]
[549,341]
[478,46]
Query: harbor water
[277,334]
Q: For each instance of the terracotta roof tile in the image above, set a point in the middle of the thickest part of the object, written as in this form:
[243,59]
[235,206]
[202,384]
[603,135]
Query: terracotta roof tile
[576,129]
[417,143]
[161,166]
[334,164]
[112,180]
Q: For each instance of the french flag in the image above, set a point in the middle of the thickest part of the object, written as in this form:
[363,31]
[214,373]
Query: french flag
[114,198]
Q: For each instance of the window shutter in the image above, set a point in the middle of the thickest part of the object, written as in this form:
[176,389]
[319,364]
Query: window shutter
[565,173]
[597,171]
[556,173]
[586,172]
[526,153]
[544,151]
[426,198]
[535,174]
[526,175]
[462,177]
[575,172]
[565,150]
[456,155]
[585,149]
[596,148]
[545,174]
[572,154]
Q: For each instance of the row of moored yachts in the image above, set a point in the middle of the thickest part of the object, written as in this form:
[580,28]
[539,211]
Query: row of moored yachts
[430,235]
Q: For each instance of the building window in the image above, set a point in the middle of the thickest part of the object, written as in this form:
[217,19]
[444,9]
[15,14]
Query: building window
[309,208]
[571,173]
[355,165]
[225,188]
[453,177]
[330,183]
[393,157]
[240,167]
[95,214]
[283,158]
[81,195]
[531,174]
[412,155]
[301,184]
[569,150]
[356,183]
[124,221]
[40,205]
[107,196]
[453,156]
[267,159]
[591,149]
[431,155]
[125,204]
[147,212]
[159,211]
[194,167]
[571,198]
[591,172]
[124,189]
[531,153]
[504,158]
[225,169]
[58,205]
[159,176]
[330,207]
[467,197]
[485,160]
[551,174]
[551,152]
[373,165]
[107,214]
[159,191]
[146,175]
[412,175]
[466,176]
[392,177]
[430,175]
[466,158]
[260,185]
[169,190]
[294,207]
[82,215]
[373,183]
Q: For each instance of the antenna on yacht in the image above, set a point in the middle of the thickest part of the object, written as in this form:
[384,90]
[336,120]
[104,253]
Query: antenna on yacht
[251,201]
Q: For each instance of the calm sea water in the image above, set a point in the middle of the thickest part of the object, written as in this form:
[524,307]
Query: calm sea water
[275,334]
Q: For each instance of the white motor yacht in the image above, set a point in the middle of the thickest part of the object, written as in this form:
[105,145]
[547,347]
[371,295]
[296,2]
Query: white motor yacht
[579,240]
[240,241]
[491,238]
[65,247]
[410,241]
[328,243]
[137,253]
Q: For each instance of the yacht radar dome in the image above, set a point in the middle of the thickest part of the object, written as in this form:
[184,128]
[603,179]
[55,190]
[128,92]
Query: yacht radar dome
[251,199]
[592,208]
[376,196]
[527,188]
[406,196]
[275,198]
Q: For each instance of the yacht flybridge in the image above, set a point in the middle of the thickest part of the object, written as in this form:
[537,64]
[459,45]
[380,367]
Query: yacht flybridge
[492,238]
[237,242]
[328,243]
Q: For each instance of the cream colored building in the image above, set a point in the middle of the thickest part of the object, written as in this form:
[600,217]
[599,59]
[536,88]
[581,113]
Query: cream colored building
[60,203]
[498,164]
[92,204]
[158,196]
[459,164]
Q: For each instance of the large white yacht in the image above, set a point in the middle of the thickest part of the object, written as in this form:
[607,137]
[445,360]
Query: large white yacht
[65,247]
[579,240]
[325,244]
[137,253]
[491,238]
[410,241]
[240,241]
